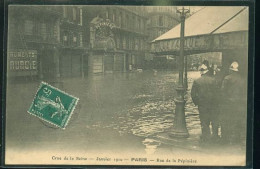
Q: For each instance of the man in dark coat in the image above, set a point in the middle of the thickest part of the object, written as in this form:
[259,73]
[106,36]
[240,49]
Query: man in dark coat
[204,95]
[234,106]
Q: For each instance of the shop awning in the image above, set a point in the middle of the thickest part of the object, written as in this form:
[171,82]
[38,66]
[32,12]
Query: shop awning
[211,20]
[211,29]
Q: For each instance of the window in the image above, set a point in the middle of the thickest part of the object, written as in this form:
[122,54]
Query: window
[50,29]
[12,26]
[127,20]
[107,14]
[133,22]
[124,43]
[160,32]
[70,14]
[113,17]
[118,42]
[120,19]
[43,30]
[28,27]
[70,39]
[74,39]
[80,40]
[160,20]
[65,39]
[36,27]
[139,24]
[56,31]
[142,25]
[65,12]
[80,16]
[129,46]
[74,13]
[135,45]
[127,42]
[116,17]
[141,44]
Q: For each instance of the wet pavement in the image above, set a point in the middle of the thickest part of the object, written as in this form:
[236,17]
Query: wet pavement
[116,112]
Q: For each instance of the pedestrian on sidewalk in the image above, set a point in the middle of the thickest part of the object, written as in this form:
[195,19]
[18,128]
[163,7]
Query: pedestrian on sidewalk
[234,106]
[204,95]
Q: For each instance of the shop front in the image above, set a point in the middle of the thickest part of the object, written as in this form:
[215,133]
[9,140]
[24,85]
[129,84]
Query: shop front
[107,62]
[22,63]
[72,63]
[40,62]
[103,56]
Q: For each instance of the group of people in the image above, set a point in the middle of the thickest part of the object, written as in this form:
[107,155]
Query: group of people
[222,103]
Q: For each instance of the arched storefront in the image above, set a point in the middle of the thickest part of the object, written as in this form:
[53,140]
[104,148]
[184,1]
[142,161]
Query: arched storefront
[110,51]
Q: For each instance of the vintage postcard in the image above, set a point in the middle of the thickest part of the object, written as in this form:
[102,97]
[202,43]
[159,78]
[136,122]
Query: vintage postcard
[127,85]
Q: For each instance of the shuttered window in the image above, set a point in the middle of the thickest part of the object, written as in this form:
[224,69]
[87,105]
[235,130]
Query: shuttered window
[80,16]
[43,31]
[28,27]
[74,13]
[160,20]
[80,40]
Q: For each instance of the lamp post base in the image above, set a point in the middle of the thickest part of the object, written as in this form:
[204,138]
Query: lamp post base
[179,127]
[179,134]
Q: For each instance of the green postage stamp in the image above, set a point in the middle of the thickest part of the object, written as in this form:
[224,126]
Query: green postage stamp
[53,105]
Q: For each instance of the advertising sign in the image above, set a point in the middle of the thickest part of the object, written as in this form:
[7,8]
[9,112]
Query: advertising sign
[22,62]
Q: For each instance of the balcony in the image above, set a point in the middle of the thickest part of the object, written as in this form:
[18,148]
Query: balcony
[35,38]
[41,39]
[52,11]
[137,31]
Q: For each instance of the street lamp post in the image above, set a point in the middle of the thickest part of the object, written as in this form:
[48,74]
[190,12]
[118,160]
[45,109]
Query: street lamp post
[185,73]
[179,128]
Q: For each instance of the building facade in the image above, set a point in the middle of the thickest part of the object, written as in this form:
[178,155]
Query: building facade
[45,41]
[72,47]
[160,19]
[71,41]
[120,36]
[33,41]
[117,39]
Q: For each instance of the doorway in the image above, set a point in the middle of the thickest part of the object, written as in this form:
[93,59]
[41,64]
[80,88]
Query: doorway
[48,65]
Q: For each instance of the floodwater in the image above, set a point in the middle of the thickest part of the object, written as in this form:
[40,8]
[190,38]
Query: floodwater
[116,113]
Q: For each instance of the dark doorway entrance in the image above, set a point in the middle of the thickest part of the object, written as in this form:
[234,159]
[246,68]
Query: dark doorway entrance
[127,62]
[48,65]
[109,62]
[85,65]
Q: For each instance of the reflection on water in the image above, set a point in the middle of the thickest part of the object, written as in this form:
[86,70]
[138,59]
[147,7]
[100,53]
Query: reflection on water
[112,107]
[153,112]
[151,145]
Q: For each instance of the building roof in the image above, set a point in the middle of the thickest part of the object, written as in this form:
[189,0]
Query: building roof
[212,20]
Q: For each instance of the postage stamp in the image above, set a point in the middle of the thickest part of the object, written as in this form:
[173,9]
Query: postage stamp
[53,105]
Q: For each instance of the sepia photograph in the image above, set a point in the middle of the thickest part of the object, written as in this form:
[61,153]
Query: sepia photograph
[127,85]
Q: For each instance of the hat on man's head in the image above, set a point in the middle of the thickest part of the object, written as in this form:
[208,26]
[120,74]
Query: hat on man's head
[203,69]
[234,66]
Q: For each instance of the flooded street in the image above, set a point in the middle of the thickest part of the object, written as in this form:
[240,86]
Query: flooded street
[127,112]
